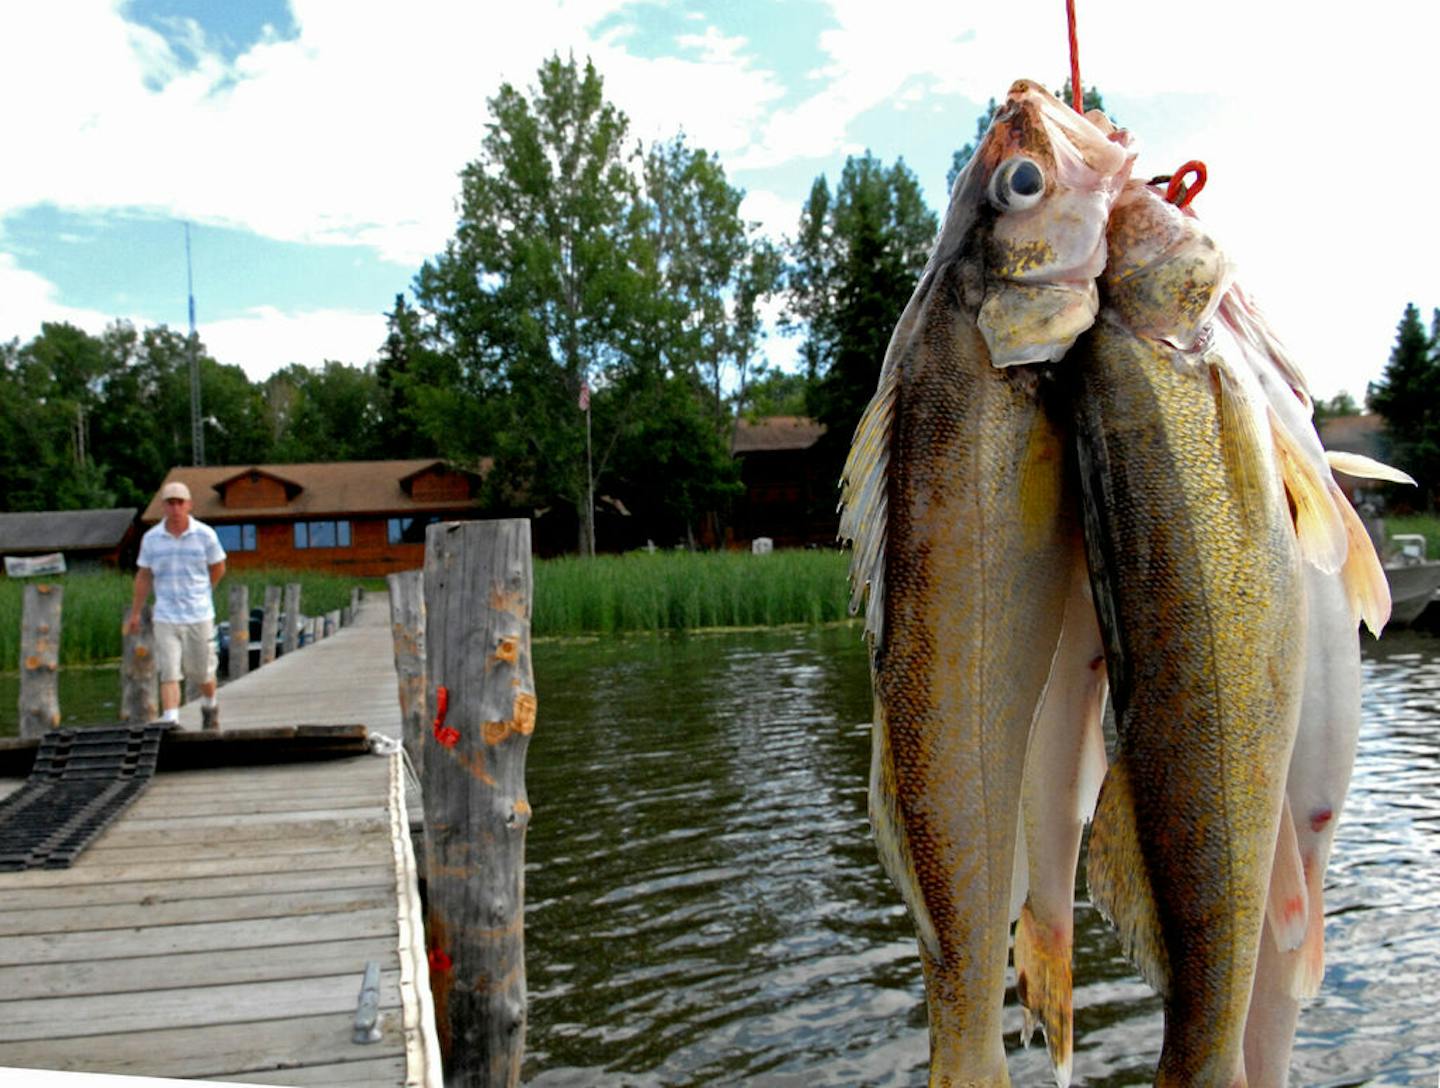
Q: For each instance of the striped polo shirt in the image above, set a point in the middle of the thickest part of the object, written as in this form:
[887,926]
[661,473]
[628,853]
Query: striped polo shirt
[181,569]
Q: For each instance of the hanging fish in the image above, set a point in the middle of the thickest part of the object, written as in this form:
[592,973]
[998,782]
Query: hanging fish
[956,497]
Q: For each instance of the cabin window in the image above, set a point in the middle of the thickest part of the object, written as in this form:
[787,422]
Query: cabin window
[409,530]
[236,538]
[322,534]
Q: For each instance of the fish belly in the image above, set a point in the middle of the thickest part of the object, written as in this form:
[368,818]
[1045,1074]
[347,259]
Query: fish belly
[1196,578]
[976,565]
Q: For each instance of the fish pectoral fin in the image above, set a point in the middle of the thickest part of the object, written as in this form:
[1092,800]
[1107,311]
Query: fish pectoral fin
[1367,468]
[1043,984]
[1287,907]
[1119,879]
[1240,442]
[1319,523]
[1363,575]
[1310,963]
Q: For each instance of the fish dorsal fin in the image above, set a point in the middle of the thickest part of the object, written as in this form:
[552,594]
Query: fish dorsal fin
[864,482]
[1119,879]
[1248,323]
[1363,575]
[1288,907]
[1367,468]
[864,504]
[1318,520]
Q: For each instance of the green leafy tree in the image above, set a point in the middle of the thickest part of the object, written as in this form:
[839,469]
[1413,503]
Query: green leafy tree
[854,266]
[532,295]
[1408,397]
[1341,404]
[774,392]
[408,365]
[332,413]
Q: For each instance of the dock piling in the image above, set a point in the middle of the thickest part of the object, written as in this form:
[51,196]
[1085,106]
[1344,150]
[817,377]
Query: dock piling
[292,617]
[269,624]
[139,701]
[40,658]
[407,628]
[239,663]
[481,684]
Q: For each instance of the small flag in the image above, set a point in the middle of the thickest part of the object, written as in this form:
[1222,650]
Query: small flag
[584,396]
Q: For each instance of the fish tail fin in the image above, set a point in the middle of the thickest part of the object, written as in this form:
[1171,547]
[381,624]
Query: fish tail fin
[1240,442]
[1310,962]
[1363,576]
[1119,881]
[1319,524]
[1367,468]
[1287,908]
[1043,984]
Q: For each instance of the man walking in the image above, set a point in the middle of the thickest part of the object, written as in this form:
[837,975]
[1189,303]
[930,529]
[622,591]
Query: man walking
[182,561]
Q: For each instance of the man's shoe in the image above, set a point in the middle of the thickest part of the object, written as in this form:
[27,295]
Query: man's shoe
[210,719]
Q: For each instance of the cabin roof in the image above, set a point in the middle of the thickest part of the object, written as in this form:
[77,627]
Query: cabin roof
[318,489]
[42,531]
[775,433]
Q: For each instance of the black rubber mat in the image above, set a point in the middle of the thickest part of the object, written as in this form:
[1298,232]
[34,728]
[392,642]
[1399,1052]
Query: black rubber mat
[81,781]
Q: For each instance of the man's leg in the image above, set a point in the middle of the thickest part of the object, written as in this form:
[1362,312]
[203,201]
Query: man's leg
[168,655]
[201,661]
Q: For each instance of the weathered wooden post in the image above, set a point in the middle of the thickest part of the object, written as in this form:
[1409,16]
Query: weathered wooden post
[332,622]
[138,701]
[239,631]
[269,624]
[482,688]
[356,595]
[317,629]
[407,629]
[292,617]
[40,658]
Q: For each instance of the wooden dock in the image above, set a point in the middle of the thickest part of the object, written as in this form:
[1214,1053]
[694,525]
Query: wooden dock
[221,928]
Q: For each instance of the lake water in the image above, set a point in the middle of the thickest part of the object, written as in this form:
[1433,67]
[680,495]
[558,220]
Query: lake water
[705,905]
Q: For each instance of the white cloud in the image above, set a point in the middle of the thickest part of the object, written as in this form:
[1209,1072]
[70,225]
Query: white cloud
[266,339]
[28,300]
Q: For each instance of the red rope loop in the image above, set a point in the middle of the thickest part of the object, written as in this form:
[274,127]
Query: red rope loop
[1180,194]
[443,733]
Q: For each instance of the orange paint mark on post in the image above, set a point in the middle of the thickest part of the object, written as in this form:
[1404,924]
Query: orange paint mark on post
[525,706]
[495,732]
[508,650]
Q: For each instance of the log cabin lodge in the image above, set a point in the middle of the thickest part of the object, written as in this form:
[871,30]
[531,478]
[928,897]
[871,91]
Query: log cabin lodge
[365,518]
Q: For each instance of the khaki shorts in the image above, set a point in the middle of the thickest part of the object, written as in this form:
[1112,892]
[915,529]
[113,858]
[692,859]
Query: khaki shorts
[185,649]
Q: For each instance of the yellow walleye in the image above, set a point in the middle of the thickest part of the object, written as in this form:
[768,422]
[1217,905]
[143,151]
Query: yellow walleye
[957,499]
[1196,570]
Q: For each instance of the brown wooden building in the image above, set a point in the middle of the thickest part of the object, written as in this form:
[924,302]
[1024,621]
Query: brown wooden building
[353,517]
[87,538]
[786,498]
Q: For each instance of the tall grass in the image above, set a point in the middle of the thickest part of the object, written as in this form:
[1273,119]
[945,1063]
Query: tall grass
[664,591]
[1428,525]
[668,591]
[96,602]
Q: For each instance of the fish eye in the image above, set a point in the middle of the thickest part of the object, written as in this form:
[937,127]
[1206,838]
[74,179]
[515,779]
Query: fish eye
[1017,184]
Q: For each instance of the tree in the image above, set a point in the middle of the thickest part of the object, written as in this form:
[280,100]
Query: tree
[1408,397]
[854,266]
[408,365]
[532,295]
[1341,404]
[332,413]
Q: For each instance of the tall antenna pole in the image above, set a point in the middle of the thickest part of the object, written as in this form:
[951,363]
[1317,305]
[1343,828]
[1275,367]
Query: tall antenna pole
[197,426]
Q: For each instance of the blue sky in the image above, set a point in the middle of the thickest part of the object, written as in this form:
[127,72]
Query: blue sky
[314,144]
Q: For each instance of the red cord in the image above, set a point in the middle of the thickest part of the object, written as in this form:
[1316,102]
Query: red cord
[1077,96]
[443,733]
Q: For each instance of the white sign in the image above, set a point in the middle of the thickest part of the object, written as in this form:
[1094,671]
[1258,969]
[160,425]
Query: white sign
[27,566]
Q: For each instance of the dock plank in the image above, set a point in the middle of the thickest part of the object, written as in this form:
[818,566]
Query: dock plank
[210,1052]
[210,967]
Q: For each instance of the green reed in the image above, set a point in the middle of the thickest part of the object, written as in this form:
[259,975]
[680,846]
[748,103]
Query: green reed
[669,591]
[95,604]
[1428,525]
